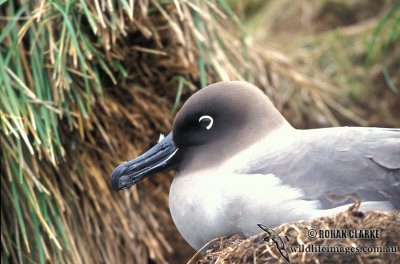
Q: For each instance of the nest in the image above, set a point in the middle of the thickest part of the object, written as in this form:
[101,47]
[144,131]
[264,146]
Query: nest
[305,237]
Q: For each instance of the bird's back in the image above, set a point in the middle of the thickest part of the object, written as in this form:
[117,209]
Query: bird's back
[336,165]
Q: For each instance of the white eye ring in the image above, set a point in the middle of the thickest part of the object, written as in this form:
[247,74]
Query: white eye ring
[209,118]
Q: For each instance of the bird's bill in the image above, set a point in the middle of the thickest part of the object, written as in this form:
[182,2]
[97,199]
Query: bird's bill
[158,158]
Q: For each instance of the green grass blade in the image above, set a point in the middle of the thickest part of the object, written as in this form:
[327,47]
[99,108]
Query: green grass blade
[200,60]
[11,26]
[19,213]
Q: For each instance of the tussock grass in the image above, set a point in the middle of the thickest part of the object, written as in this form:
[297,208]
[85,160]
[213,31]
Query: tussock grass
[351,45]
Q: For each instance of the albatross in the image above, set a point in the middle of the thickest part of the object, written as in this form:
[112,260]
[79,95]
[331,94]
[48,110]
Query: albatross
[239,163]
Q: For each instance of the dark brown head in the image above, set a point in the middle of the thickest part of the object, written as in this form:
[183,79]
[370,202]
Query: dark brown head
[222,119]
[214,124]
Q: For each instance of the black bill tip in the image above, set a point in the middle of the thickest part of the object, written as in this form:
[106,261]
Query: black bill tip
[117,177]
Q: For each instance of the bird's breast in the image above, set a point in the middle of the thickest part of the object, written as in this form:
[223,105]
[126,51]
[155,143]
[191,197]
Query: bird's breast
[196,205]
[214,203]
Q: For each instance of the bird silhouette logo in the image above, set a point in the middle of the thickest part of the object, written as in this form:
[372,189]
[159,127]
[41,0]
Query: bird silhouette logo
[277,239]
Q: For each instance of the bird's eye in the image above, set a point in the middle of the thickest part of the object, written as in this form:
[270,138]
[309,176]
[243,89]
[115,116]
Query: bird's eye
[206,121]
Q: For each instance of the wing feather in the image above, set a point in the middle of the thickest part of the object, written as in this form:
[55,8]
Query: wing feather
[334,165]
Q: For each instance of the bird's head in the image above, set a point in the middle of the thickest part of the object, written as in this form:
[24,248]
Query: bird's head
[213,124]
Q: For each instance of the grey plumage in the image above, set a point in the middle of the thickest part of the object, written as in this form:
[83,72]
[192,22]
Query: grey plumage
[334,165]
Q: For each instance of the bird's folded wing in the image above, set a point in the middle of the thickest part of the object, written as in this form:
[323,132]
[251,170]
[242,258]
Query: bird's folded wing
[336,164]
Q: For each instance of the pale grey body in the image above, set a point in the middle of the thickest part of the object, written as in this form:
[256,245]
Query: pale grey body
[256,168]
[289,175]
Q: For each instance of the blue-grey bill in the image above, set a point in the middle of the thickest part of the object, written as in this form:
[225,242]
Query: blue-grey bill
[158,158]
